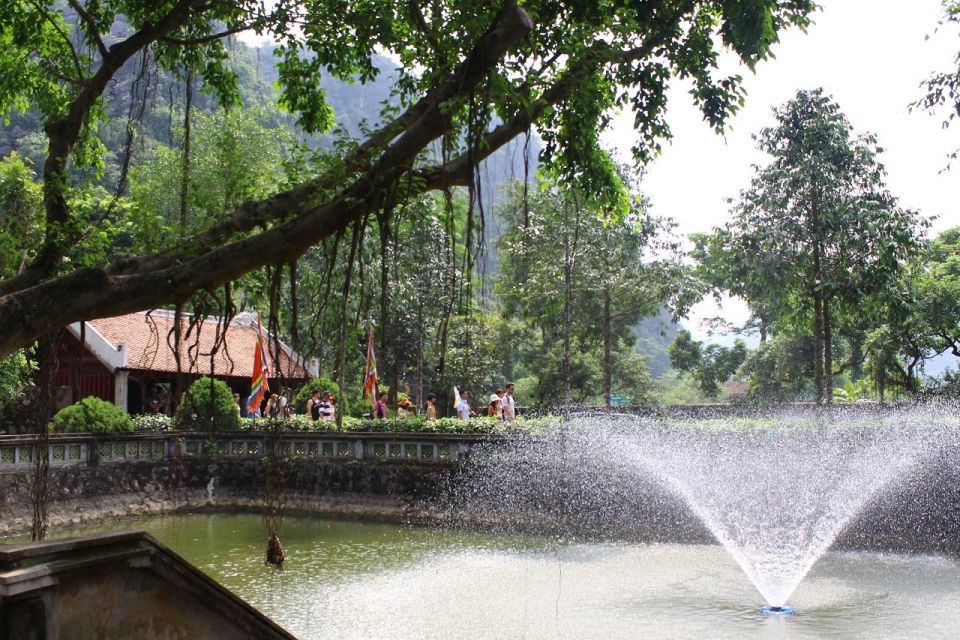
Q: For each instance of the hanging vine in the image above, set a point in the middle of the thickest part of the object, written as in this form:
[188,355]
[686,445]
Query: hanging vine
[274,500]
[41,411]
[140,90]
[356,238]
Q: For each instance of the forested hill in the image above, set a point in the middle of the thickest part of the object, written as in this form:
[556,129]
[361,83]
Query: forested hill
[653,334]
[153,101]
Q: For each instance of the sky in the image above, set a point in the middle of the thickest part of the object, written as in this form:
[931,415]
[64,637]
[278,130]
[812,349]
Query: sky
[870,56]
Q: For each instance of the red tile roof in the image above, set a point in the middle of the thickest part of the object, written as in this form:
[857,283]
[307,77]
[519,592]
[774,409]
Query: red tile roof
[150,349]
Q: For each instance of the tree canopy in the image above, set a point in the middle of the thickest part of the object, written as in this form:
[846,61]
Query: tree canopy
[817,234]
[473,76]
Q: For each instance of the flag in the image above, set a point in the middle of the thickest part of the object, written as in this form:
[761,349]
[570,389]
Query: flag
[370,371]
[258,382]
[456,398]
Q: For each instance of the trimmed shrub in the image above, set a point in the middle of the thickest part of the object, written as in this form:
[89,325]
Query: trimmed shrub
[359,407]
[92,415]
[480,425]
[208,406]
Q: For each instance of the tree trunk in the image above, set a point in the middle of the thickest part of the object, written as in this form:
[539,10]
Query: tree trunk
[910,379]
[856,357]
[342,343]
[384,224]
[396,366]
[817,327]
[818,347]
[607,358]
[78,361]
[185,177]
[827,351]
[41,410]
[567,293]
[294,308]
[421,338]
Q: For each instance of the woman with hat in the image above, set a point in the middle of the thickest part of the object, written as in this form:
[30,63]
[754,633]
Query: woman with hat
[493,409]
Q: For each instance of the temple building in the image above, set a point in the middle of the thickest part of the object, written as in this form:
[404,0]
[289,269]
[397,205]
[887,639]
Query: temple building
[130,360]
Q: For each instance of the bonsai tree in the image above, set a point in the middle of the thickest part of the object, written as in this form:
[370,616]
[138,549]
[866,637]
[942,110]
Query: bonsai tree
[208,405]
[92,415]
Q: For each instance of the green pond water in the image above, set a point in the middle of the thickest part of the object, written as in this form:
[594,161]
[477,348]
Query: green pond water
[361,580]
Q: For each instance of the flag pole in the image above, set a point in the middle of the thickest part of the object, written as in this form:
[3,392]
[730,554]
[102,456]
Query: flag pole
[259,384]
[370,370]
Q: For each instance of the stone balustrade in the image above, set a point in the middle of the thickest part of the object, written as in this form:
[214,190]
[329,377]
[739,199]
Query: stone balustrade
[17,452]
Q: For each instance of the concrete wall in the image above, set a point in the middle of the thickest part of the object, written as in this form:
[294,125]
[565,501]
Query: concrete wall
[83,493]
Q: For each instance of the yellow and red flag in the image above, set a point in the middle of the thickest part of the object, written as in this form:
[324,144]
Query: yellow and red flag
[370,371]
[258,382]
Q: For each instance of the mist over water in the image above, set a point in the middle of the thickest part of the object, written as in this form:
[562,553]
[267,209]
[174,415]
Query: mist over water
[774,491]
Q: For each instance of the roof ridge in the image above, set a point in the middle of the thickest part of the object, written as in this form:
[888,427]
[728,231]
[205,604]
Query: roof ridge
[243,319]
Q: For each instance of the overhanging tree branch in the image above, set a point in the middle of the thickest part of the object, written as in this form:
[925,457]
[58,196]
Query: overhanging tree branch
[136,285]
[459,171]
[63,134]
[92,30]
[260,213]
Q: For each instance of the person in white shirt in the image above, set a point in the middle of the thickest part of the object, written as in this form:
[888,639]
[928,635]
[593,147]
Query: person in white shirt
[463,408]
[507,406]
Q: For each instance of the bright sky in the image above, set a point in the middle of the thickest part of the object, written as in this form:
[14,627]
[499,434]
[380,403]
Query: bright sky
[870,56]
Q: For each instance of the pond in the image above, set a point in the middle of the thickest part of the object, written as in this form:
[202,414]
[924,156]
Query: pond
[363,580]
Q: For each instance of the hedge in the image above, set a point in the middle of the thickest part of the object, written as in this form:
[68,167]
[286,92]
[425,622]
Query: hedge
[416,424]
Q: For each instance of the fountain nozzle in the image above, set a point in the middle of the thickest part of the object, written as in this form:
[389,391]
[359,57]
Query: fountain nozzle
[770,610]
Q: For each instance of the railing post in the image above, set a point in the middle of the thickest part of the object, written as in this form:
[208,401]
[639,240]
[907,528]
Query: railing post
[173,442]
[93,450]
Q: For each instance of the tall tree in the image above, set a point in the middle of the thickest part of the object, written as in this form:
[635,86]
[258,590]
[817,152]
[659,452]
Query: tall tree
[479,73]
[817,224]
[573,260]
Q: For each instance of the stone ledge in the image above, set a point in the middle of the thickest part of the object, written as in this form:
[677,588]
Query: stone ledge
[123,584]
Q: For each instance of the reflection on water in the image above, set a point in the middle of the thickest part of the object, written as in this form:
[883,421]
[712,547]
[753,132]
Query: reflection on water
[351,580]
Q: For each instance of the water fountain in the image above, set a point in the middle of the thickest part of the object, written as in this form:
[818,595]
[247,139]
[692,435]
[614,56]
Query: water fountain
[775,492]
[626,514]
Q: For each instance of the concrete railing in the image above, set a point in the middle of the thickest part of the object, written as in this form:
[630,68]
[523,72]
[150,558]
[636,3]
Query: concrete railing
[17,452]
